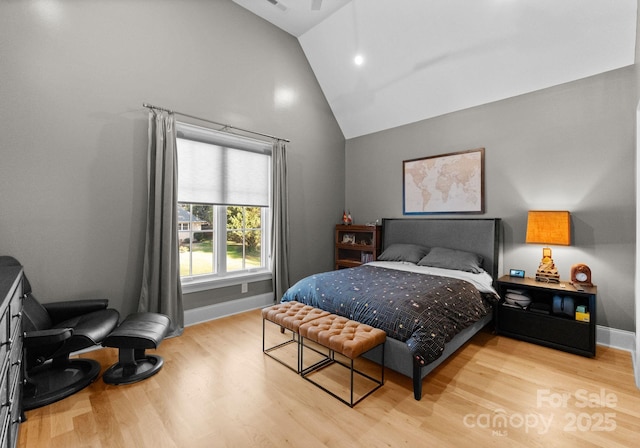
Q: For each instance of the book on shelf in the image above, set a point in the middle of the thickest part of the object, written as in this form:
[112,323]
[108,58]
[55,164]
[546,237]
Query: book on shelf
[366,257]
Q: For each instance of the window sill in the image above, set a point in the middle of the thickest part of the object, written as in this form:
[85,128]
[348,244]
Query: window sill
[204,284]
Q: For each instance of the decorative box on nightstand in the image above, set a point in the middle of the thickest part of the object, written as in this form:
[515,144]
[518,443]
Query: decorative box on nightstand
[539,324]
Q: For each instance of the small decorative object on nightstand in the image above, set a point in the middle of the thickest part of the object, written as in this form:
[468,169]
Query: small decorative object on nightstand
[546,320]
[548,227]
[356,245]
[581,275]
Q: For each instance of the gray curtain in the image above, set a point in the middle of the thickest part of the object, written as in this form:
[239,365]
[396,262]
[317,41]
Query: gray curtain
[279,221]
[161,290]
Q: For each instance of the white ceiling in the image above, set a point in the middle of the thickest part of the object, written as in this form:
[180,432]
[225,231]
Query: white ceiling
[427,58]
[296,17]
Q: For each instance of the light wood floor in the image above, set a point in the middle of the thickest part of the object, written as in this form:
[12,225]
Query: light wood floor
[217,389]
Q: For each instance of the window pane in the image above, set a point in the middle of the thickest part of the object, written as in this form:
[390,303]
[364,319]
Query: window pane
[235,251]
[184,237]
[185,258]
[196,239]
[252,217]
[235,218]
[235,238]
[253,248]
[202,253]
[202,215]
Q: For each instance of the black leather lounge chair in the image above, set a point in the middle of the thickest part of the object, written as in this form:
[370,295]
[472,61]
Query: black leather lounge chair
[52,331]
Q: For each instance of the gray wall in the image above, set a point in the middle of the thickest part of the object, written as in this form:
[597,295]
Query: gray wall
[73,133]
[570,147]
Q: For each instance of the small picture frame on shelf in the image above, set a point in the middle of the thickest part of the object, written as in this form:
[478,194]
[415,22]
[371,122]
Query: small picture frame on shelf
[349,238]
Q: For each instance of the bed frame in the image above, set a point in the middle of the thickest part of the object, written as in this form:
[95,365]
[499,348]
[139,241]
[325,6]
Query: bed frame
[480,236]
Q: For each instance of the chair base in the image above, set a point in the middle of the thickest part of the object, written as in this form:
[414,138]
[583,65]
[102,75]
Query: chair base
[48,383]
[128,372]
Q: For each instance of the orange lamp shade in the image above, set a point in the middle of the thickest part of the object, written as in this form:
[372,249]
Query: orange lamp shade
[549,227]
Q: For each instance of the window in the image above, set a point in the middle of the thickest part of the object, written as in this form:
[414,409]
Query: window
[237,247]
[223,197]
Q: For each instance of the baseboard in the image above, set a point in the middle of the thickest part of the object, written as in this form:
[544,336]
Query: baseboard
[612,337]
[218,310]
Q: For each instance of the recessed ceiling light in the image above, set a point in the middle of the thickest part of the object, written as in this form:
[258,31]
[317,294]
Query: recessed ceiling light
[358,60]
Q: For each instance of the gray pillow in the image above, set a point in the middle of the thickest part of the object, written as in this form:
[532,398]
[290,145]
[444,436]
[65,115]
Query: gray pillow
[411,253]
[441,257]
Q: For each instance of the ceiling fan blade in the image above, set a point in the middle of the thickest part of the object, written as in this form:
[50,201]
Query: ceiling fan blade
[316,5]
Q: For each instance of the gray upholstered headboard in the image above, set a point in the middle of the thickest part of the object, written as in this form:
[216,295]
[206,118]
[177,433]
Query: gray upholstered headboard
[480,236]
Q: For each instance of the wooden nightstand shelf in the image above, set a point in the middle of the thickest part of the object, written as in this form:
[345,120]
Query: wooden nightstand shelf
[552,330]
[356,245]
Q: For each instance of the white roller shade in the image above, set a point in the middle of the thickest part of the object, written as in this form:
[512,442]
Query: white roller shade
[223,169]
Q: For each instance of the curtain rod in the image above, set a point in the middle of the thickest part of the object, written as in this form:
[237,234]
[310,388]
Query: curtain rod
[225,126]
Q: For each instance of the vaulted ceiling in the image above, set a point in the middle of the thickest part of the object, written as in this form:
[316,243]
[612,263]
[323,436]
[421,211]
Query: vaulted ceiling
[385,63]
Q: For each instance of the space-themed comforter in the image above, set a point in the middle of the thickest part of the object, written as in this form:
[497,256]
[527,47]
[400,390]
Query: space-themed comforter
[423,310]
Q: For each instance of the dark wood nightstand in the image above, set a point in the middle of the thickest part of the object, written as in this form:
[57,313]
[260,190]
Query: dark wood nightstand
[551,329]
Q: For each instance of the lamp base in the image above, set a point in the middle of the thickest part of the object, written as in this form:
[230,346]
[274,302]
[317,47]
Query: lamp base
[547,277]
[547,271]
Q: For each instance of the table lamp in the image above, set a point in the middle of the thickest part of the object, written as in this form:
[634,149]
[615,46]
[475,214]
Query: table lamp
[548,227]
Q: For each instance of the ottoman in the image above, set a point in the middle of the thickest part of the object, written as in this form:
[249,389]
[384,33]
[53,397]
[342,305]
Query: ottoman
[138,332]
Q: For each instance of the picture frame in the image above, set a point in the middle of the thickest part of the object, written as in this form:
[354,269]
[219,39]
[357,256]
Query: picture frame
[446,183]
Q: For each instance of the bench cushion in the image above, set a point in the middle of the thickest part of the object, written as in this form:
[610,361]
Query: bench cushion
[139,331]
[291,315]
[342,335]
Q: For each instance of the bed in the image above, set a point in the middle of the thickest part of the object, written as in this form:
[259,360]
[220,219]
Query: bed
[431,293]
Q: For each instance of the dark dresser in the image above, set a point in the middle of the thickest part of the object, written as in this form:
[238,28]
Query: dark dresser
[10,354]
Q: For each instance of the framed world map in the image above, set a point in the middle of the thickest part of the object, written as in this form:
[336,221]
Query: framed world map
[448,183]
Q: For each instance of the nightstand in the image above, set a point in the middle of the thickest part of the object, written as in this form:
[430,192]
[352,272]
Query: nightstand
[534,324]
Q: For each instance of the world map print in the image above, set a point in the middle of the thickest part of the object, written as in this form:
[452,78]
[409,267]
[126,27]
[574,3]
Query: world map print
[441,184]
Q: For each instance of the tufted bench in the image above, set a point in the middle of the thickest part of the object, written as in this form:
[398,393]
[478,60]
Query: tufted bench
[138,332]
[289,316]
[346,337]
